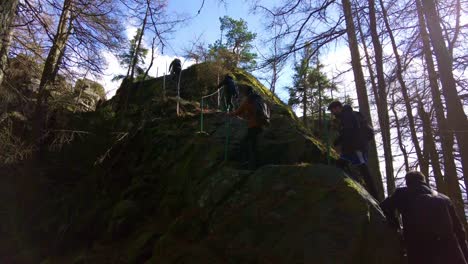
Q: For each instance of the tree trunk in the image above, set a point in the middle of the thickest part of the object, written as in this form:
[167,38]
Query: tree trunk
[319,87]
[304,104]
[381,99]
[274,76]
[50,71]
[445,135]
[399,137]
[137,48]
[369,63]
[371,72]
[404,89]
[305,72]
[362,92]
[320,117]
[7,14]
[456,116]
[152,61]
[430,147]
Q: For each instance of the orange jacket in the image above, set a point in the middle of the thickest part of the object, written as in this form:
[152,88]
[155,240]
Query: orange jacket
[247,111]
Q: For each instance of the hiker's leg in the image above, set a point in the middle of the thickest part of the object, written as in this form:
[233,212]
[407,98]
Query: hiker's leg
[253,153]
[224,103]
[244,149]
[250,147]
[344,164]
[229,107]
[227,102]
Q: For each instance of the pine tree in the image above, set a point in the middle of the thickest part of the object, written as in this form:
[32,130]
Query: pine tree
[133,56]
[309,89]
[235,51]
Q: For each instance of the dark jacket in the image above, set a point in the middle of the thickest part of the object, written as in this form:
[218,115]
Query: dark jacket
[175,66]
[230,89]
[432,230]
[350,137]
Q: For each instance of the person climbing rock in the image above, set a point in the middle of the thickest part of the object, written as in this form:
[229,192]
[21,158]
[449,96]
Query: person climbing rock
[353,142]
[248,110]
[175,68]
[230,91]
[432,231]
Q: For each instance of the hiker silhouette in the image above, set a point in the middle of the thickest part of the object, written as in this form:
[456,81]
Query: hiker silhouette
[353,142]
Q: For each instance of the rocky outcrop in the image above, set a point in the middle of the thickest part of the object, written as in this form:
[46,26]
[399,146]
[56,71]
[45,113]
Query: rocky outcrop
[279,214]
[145,186]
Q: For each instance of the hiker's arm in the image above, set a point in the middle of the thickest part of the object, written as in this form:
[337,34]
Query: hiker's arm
[389,207]
[221,84]
[459,231]
[240,110]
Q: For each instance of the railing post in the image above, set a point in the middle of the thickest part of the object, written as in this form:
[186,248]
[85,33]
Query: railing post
[327,137]
[201,116]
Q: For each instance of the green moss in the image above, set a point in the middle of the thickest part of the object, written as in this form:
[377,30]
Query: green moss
[246,78]
[360,189]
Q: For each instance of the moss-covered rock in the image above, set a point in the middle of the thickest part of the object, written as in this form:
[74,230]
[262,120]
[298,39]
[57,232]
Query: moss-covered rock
[285,214]
[145,185]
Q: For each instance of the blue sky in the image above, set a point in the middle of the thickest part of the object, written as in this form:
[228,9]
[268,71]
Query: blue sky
[206,27]
[207,22]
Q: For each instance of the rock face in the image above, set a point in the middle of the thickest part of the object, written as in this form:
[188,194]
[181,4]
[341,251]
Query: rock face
[146,187]
[279,214]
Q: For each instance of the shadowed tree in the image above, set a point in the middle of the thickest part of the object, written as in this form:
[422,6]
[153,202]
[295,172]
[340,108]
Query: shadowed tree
[361,90]
[83,30]
[404,89]
[381,97]
[456,117]
[7,14]
[299,94]
[446,136]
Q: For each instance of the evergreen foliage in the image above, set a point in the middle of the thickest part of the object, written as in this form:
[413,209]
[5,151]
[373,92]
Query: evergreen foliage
[236,49]
[133,54]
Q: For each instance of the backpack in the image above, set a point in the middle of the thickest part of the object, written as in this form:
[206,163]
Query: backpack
[364,126]
[262,111]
